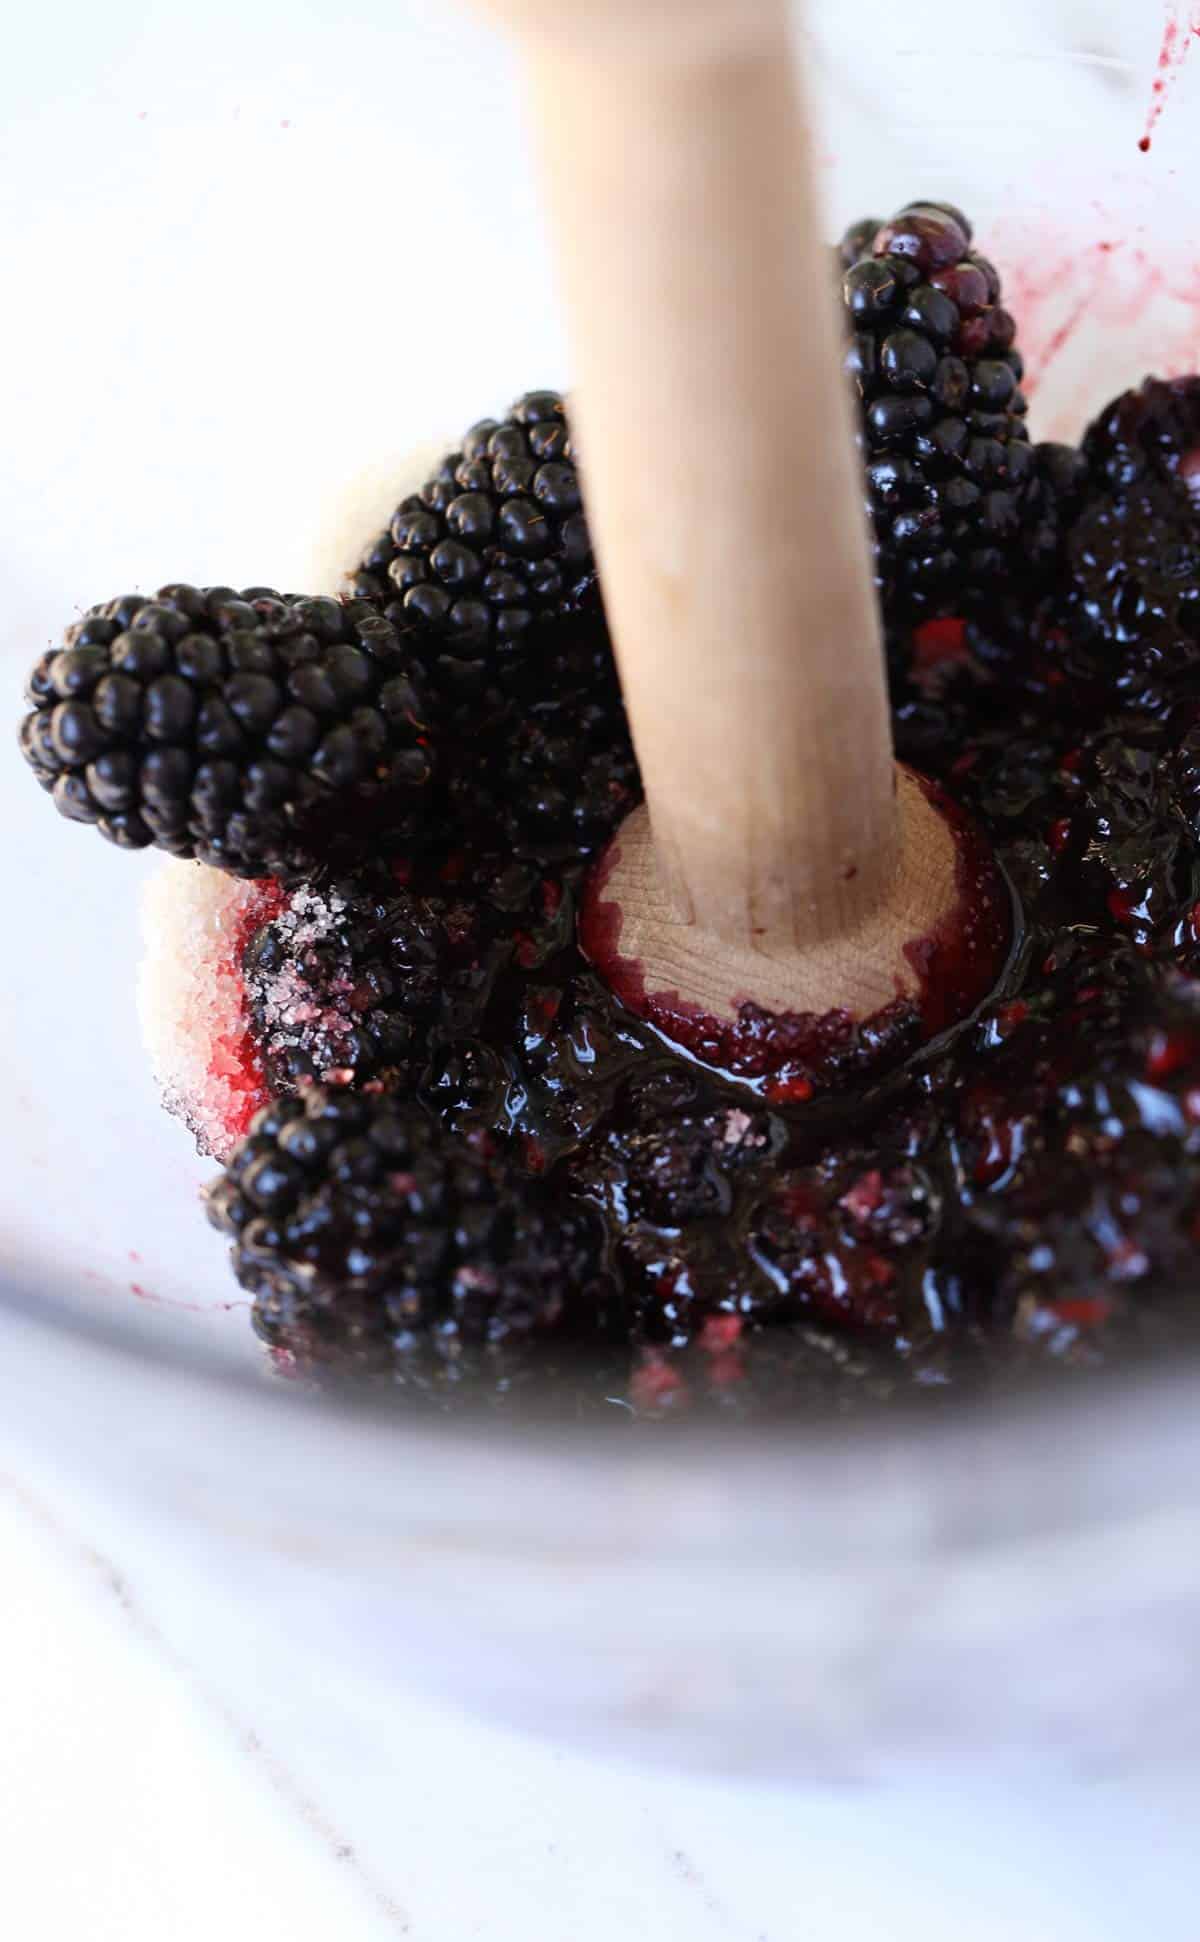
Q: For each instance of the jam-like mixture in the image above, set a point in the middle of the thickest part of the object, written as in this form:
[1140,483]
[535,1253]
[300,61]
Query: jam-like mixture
[930,1215]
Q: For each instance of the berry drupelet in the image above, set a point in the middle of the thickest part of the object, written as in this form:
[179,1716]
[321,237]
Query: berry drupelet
[953,483]
[238,728]
[370,1239]
[493,543]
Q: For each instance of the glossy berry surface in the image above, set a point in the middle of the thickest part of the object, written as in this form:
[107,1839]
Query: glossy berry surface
[493,543]
[1120,622]
[953,484]
[239,728]
[370,1240]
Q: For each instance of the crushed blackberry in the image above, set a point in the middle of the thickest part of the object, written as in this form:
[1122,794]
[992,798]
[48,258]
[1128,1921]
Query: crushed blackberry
[239,728]
[342,980]
[956,492]
[494,543]
[371,1240]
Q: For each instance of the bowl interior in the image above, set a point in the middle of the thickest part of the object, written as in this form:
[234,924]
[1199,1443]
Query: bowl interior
[247,282]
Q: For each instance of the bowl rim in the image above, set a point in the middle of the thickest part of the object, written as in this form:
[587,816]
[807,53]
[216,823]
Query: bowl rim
[1002,1473]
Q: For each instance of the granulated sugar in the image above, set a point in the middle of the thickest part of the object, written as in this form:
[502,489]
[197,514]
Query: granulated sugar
[192,1001]
[288,1016]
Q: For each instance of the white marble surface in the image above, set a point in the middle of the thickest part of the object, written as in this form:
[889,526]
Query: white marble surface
[256,251]
[164,1772]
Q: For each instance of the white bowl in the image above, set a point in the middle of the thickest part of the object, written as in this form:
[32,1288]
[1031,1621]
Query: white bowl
[250,268]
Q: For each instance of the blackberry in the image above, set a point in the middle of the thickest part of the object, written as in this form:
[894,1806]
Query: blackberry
[370,1240]
[493,543]
[1150,433]
[1058,494]
[1120,622]
[952,479]
[554,769]
[387,974]
[347,978]
[239,728]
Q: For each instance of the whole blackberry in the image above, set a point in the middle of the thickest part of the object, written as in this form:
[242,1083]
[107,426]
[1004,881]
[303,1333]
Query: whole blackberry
[1119,625]
[952,480]
[370,1240]
[554,770]
[237,728]
[495,541]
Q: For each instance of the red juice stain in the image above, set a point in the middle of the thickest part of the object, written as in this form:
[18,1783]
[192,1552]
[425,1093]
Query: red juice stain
[234,1065]
[1189,471]
[720,1333]
[955,964]
[789,1091]
[936,642]
[655,1385]
[1086,1311]
[1060,835]
[1173,52]
[171,1301]
[865,1197]
[1170,1052]
[1060,337]
[1056,288]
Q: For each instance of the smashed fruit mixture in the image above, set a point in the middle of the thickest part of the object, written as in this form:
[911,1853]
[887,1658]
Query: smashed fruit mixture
[477,1171]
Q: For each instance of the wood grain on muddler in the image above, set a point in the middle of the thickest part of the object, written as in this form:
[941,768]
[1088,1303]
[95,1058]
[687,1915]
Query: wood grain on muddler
[775,855]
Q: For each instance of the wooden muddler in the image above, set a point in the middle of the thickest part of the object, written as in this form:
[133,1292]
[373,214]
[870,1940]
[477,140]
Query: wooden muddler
[776,857]
[716,444]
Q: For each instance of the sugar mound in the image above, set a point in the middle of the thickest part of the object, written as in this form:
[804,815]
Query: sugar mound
[191,998]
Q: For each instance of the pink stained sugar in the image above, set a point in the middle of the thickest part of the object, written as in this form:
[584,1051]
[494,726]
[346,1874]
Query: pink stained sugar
[192,999]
